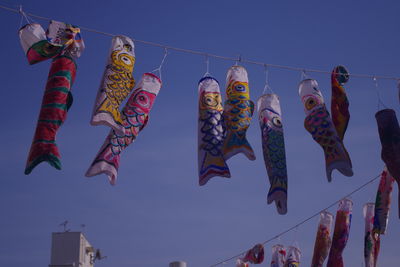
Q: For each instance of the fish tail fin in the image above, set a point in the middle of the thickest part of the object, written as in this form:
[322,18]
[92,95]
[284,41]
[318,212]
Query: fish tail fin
[278,193]
[43,150]
[237,143]
[105,163]
[342,163]
[211,166]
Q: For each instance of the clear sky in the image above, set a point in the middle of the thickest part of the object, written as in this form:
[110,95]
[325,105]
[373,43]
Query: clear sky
[157,213]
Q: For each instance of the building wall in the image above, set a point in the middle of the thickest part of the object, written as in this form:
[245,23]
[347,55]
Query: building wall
[70,249]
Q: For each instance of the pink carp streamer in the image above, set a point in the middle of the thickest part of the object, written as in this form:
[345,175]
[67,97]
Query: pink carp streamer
[341,233]
[382,202]
[135,118]
[323,240]
[293,257]
[389,135]
[371,239]
[339,102]
[278,256]
[319,124]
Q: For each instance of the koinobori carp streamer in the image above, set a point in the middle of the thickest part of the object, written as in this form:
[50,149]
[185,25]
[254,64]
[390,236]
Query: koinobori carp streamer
[135,117]
[319,124]
[211,132]
[273,144]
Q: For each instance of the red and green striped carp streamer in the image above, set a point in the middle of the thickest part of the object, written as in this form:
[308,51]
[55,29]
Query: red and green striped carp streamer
[382,202]
[135,116]
[319,124]
[389,135]
[35,44]
[341,233]
[63,43]
[56,101]
[339,102]
[371,238]
[323,240]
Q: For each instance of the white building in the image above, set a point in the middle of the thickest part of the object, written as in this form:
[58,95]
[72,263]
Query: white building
[71,249]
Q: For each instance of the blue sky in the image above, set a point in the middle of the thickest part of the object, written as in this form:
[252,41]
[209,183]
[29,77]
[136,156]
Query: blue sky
[157,213]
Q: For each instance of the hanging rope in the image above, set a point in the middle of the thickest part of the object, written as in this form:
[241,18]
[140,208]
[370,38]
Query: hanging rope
[303,221]
[161,64]
[194,52]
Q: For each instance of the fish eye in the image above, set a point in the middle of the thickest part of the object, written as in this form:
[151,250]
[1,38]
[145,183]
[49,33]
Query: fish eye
[277,122]
[310,103]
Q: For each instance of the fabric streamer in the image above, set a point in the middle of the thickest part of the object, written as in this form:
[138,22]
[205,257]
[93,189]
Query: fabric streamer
[35,44]
[238,110]
[135,117]
[240,263]
[273,144]
[323,240]
[371,239]
[211,132]
[116,84]
[341,233]
[57,98]
[389,134]
[293,257]
[319,124]
[278,256]
[255,255]
[339,102]
[56,102]
[382,202]
[67,35]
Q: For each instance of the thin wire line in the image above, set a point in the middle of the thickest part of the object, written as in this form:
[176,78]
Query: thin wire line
[194,52]
[303,221]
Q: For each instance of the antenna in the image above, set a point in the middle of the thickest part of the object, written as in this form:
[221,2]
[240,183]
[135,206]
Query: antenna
[83,227]
[97,256]
[64,224]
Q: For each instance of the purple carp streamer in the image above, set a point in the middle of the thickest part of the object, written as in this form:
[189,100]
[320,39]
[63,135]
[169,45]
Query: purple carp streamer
[323,239]
[293,257]
[389,135]
[319,124]
[116,84]
[371,238]
[238,110]
[135,117]
[382,202]
[211,132]
[339,102]
[273,144]
[341,233]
